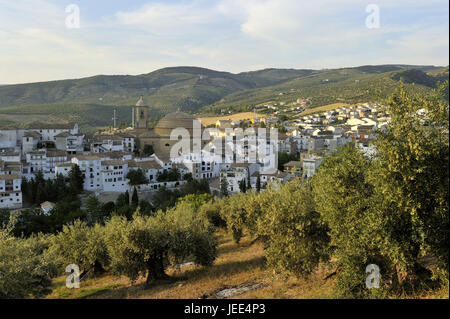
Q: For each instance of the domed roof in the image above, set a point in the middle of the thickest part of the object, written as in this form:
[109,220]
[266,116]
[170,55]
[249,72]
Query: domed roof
[175,120]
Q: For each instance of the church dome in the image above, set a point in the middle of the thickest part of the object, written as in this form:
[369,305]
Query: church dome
[175,120]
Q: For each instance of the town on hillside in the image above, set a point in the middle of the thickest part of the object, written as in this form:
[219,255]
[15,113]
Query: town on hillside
[107,157]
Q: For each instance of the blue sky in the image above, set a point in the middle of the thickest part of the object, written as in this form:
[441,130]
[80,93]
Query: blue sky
[137,36]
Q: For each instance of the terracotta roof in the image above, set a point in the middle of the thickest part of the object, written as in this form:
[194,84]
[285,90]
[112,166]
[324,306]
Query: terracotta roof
[50,126]
[56,153]
[32,134]
[293,164]
[148,165]
[9,177]
[101,138]
[63,134]
[66,165]
[86,157]
[113,162]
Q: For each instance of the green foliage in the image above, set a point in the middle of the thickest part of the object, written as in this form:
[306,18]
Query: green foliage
[258,184]
[411,180]
[196,200]
[171,175]
[148,150]
[135,197]
[211,210]
[25,270]
[123,199]
[137,177]
[82,245]
[242,186]
[284,217]
[95,209]
[393,209]
[166,198]
[32,221]
[232,210]
[296,237]
[147,245]
[343,197]
[39,190]
[284,158]
[76,180]
[224,187]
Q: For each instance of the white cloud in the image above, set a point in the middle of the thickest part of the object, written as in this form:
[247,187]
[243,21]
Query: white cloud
[229,35]
[169,18]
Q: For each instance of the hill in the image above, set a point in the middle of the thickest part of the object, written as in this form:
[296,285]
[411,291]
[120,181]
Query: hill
[185,87]
[90,100]
[347,85]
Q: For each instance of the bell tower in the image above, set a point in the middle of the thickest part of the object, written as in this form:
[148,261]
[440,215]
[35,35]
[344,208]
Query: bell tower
[141,114]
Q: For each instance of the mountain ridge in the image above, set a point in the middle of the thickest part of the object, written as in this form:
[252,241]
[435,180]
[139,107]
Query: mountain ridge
[202,90]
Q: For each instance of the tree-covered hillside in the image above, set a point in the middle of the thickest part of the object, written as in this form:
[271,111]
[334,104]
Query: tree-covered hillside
[349,85]
[91,101]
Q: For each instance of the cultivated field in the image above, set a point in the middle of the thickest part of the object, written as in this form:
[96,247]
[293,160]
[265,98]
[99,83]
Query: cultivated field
[238,116]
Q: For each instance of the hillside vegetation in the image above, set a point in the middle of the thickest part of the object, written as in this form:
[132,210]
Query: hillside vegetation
[91,101]
[351,85]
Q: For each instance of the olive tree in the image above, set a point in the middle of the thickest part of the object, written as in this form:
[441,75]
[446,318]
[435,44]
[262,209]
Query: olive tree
[296,237]
[147,245]
[82,245]
[411,177]
[25,269]
[344,199]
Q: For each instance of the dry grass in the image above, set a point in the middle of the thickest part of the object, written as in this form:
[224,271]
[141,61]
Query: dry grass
[236,264]
[238,116]
[324,108]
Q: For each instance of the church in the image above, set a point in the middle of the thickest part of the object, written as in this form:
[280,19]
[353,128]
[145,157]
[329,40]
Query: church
[159,136]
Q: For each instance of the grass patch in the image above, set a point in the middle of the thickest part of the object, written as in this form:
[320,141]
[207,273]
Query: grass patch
[92,292]
[324,108]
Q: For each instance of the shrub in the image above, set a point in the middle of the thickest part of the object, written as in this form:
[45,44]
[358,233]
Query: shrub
[297,239]
[82,245]
[148,244]
[25,270]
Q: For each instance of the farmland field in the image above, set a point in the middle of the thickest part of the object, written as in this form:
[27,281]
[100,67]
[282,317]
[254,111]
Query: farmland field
[238,116]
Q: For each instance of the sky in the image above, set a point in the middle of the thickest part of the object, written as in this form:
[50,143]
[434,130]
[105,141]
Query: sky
[40,41]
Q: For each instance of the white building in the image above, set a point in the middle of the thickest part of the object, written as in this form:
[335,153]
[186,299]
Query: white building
[90,165]
[44,161]
[10,191]
[310,165]
[120,142]
[26,139]
[70,143]
[113,176]
[239,172]
[64,169]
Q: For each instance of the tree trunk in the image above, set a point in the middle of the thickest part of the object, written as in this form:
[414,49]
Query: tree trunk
[156,269]
[98,269]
